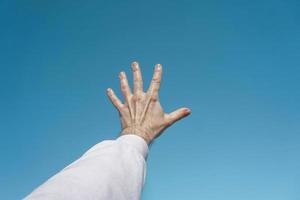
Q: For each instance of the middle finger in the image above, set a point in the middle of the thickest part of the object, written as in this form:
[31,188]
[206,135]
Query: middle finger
[137,78]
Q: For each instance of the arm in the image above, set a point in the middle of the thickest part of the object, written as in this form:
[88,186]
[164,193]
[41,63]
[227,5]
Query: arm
[110,170]
[115,169]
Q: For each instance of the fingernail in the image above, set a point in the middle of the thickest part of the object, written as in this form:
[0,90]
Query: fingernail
[158,66]
[122,74]
[108,89]
[134,64]
[188,110]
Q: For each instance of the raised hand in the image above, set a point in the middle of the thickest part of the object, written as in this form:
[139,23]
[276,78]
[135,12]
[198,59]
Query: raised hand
[141,114]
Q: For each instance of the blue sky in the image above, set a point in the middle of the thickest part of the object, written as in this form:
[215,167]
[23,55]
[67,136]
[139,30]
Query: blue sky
[234,63]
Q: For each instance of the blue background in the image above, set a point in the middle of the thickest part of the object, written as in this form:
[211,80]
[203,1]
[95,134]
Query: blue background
[236,64]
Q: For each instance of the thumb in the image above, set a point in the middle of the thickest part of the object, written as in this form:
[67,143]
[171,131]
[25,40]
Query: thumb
[177,115]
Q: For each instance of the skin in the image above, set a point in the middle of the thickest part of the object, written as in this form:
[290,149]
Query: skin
[142,114]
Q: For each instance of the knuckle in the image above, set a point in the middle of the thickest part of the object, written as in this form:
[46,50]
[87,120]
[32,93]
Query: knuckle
[156,80]
[140,96]
[135,67]
[168,122]
[154,98]
[123,87]
[121,108]
[136,98]
[137,79]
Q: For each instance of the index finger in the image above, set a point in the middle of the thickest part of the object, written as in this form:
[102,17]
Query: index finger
[155,82]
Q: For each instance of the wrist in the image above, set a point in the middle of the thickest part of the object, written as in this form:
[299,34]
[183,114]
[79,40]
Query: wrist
[138,131]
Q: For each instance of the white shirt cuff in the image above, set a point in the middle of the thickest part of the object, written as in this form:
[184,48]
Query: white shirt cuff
[137,142]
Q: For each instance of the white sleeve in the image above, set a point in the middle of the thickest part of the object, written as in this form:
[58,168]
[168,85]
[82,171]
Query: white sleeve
[110,170]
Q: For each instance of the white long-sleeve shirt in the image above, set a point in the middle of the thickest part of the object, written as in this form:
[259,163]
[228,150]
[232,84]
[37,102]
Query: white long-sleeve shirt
[110,170]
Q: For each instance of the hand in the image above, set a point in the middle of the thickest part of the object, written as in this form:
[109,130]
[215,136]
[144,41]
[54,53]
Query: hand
[142,114]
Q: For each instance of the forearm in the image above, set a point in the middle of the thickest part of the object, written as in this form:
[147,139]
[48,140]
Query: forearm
[112,169]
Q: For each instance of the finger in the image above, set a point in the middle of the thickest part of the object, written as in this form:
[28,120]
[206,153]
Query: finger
[114,99]
[177,115]
[156,79]
[125,86]
[137,78]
